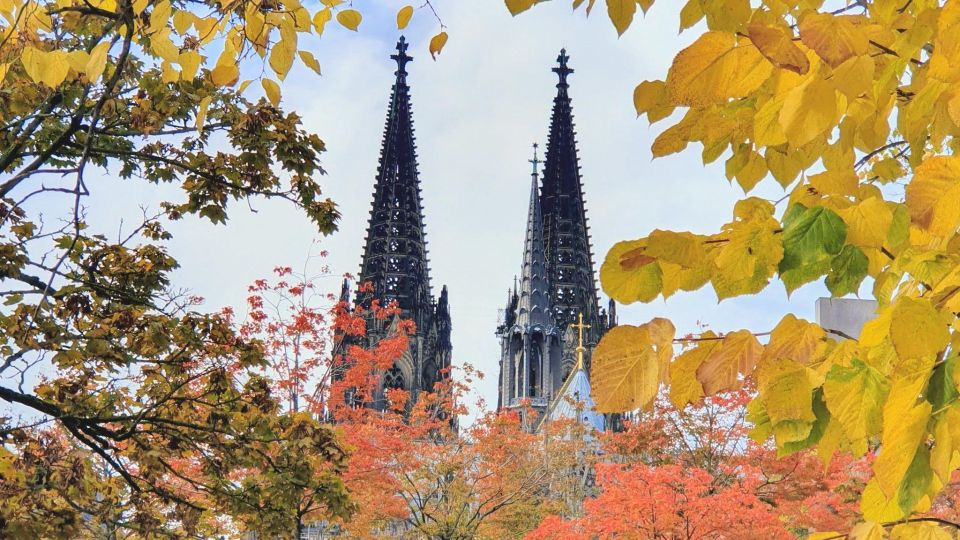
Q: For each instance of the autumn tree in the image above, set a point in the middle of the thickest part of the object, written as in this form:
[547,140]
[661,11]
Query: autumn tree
[136,376]
[851,108]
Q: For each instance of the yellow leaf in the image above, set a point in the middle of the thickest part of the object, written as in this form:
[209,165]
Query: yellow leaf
[629,275]
[786,389]
[310,61]
[716,67]
[919,530]
[77,60]
[835,38]
[684,386]
[272,90]
[225,74]
[160,16]
[748,259]
[349,18]
[320,20]
[917,329]
[776,44]
[854,77]
[867,222]
[904,429]
[835,182]
[736,356]
[519,6]
[281,55]
[436,44]
[621,13]
[650,98]
[867,530]
[628,363]
[189,64]
[726,15]
[182,20]
[645,4]
[796,339]
[202,112]
[933,196]
[403,17]
[691,14]
[169,73]
[855,396]
[49,68]
[98,61]
[808,111]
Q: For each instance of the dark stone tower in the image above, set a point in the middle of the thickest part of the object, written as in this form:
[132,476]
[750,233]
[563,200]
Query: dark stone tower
[538,342]
[573,289]
[395,254]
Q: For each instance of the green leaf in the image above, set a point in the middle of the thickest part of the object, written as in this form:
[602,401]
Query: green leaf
[849,268]
[809,237]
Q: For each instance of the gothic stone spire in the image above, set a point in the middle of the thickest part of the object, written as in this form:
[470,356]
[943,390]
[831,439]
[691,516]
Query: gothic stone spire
[395,255]
[534,305]
[566,234]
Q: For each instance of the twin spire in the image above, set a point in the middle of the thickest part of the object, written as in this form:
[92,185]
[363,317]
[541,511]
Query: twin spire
[534,302]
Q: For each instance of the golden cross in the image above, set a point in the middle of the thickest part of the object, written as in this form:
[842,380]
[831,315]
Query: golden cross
[580,326]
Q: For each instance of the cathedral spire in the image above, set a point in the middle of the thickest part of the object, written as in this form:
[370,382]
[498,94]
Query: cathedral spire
[534,305]
[573,288]
[395,254]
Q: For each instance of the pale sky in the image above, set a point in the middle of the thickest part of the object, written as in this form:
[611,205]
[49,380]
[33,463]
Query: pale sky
[477,109]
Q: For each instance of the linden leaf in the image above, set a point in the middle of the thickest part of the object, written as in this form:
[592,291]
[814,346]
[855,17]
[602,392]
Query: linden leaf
[684,386]
[621,13]
[933,196]
[735,357]
[625,280]
[225,74]
[628,363]
[716,67]
[519,6]
[919,531]
[651,98]
[855,397]
[786,389]
[436,44]
[404,15]
[202,112]
[917,329]
[282,53]
[272,90]
[320,20]
[835,38]
[867,222]
[97,62]
[691,14]
[47,67]
[776,44]
[189,64]
[847,271]
[808,111]
[349,18]
[815,233]
[867,530]
[307,58]
[726,15]
[796,339]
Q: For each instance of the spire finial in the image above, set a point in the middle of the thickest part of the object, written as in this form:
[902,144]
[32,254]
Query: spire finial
[562,69]
[535,161]
[401,57]
[580,348]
